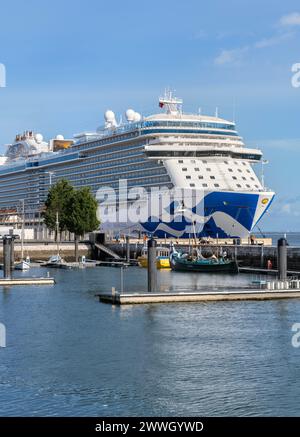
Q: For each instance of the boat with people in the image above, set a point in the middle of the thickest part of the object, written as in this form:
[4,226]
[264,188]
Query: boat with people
[162,257]
[23,264]
[194,261]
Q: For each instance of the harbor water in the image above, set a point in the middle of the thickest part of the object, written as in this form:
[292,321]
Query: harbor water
[69,355]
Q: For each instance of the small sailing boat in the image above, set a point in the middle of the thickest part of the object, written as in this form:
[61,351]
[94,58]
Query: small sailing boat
[57,261]
[23,265]
[195,262]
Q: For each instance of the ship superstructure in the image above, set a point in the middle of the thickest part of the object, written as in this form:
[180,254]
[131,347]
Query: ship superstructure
[170,149]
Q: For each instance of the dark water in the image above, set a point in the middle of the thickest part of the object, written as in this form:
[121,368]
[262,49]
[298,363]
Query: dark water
[68,354]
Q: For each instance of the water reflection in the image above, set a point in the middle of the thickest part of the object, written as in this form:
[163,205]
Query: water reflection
[68,354]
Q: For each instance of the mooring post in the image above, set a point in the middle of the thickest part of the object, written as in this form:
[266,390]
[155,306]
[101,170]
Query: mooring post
[152,272]
[262,256]
[282,258]
[7,256]
[12,249]
[122,279]
[127,249]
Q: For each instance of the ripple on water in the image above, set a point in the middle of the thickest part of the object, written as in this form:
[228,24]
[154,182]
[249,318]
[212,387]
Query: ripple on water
[67,354]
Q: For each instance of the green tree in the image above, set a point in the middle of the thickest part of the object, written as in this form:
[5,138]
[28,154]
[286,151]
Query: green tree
[57,202]
[81,214]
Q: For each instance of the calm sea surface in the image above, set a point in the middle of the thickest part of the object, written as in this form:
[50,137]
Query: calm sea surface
[67,354]
[292,237]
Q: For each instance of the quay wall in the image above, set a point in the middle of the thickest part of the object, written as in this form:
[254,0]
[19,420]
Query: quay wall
[247,255]
[43,250]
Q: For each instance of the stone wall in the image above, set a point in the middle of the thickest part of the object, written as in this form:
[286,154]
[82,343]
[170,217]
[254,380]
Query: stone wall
[248,256]
[43,251]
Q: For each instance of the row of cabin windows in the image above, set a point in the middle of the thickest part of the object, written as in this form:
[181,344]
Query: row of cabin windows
[217,185]
[212,177]
[180,161]
[204,185]
[196,169]
[233,177]
[235,162]
[209,169]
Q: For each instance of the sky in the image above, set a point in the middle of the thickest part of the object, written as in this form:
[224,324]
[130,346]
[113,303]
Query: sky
[66,62]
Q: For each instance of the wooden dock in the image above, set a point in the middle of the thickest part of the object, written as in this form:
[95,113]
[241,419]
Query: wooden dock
[270,272]
[26,281]
[242,294]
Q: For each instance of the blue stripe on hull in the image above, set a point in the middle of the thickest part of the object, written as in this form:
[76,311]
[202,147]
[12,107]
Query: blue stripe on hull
[241,207]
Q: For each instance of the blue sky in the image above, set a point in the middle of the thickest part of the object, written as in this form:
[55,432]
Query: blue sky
[68,61]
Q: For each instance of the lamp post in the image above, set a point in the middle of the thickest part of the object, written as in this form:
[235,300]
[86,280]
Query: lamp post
[263,163]
[50,173]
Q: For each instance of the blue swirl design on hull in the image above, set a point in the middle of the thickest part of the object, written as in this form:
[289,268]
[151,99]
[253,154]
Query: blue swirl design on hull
[239,207]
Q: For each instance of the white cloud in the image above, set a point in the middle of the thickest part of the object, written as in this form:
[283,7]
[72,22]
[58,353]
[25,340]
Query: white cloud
[272,41]
[287,208]
[230,56]
[234,56]
[292,19]
[292,144]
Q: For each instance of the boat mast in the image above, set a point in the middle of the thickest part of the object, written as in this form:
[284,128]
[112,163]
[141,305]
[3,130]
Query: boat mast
[22,231]
[57,232]
[194,231]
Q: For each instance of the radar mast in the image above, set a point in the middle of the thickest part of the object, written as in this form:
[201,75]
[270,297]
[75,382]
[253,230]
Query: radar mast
[171,104]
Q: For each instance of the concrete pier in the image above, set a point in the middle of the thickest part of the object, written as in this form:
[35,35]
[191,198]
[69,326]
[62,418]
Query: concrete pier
[26,281]
[268,272]
[237,295]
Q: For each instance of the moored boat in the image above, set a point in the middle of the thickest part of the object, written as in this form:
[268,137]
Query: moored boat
[22,265]
[194,262]
[57,262]
[162,258]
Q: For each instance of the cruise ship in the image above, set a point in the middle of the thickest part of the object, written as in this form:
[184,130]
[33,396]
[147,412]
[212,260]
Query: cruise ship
[169,151]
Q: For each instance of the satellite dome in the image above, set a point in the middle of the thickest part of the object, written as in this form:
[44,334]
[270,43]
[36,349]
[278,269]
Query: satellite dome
[39,138]
[109,116]
[137,116]
[130,114]
[60,137]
